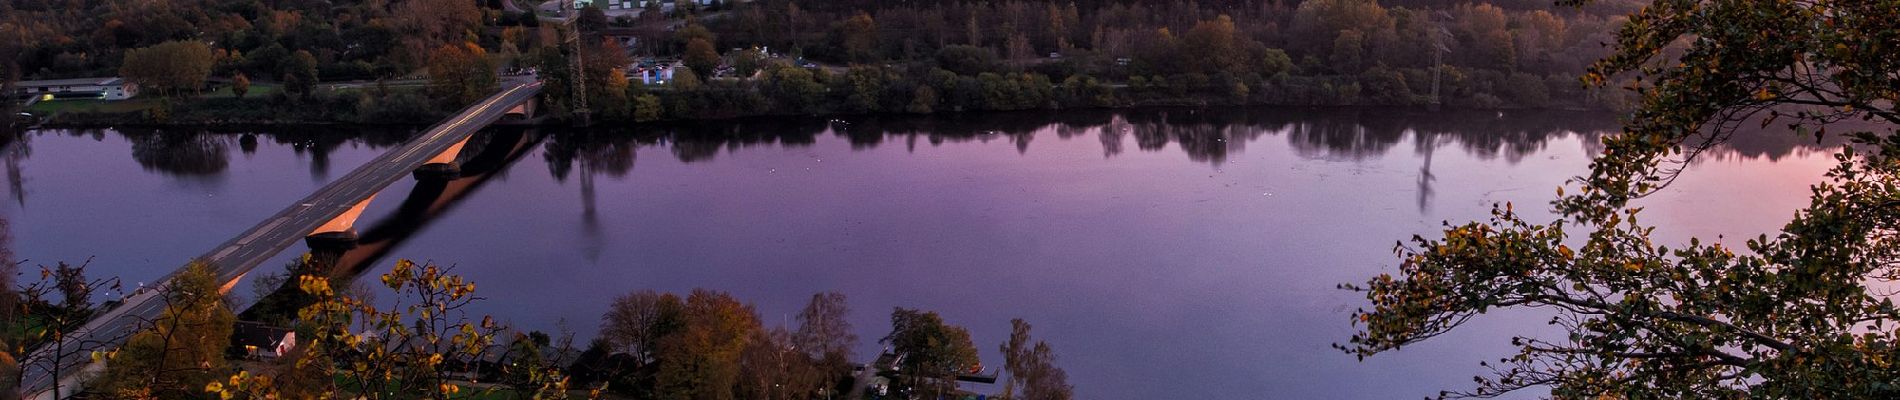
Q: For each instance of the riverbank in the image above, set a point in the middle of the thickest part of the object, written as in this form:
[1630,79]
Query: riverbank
[672,104]
[406,106]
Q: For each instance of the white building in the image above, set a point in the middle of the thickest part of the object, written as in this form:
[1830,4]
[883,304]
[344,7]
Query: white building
[80,88]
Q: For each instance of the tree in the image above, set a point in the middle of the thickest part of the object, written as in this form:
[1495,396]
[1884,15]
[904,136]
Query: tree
[1319,23]
[1032,367]
[1216,46]
[300,73]
[604,65]
[612,100]
[694,30]
[825,335]
[1793,315]
[933,352]
[405,351]
[171,68]
[62,301]
[636,321]
[795,89]
[240,85]
[771,367]
[1274,62]
[592,19]
[863,88]
[181,351]
[432,23]
[858,38]
[646,107]
[1348,52]
[686,80]
[967,60]
[554,70]
[747,62]
[701,361]
[700,57]
[923,100]
[461,74]
[9,311]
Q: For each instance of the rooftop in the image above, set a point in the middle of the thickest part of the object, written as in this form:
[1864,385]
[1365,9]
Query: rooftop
[70,82]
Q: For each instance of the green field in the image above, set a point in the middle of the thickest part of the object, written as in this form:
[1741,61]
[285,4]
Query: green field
[58,106]
[50,107]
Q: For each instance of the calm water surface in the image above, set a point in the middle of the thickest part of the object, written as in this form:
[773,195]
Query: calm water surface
[1163,253]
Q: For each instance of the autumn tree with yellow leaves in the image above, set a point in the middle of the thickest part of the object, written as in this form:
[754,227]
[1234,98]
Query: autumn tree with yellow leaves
[1801,313]
[412,349]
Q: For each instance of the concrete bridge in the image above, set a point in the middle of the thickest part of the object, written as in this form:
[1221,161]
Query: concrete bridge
[326,217]
[428,199]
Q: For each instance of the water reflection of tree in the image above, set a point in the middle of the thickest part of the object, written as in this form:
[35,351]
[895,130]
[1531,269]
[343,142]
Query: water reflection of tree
[320,142]
[179,152]
[193,152]
[1203,135]
[590,154]
[16,149]
[610,153]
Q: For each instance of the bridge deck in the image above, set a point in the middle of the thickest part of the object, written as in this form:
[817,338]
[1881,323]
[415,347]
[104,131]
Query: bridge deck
[238,256]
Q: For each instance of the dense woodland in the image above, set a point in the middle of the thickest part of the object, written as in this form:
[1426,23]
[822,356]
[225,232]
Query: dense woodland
[923,57]
[870,57]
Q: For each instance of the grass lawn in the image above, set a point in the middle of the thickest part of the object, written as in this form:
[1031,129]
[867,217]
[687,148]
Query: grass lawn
[119,106]
[258,91]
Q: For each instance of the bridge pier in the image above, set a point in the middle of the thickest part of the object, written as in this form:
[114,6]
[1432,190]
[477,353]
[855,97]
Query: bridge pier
[340,232]
[444,165]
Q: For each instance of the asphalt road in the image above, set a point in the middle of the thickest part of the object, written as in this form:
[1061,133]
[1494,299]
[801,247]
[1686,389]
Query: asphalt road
[238,256]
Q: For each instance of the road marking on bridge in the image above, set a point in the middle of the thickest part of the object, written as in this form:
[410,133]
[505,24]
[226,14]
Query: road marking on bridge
[458,123]
[227,251]
[260,231]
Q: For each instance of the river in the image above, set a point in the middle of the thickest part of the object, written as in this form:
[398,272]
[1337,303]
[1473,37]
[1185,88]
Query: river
[1171,253]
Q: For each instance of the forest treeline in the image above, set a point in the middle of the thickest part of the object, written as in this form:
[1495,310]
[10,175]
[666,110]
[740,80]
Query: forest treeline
[779,57]
[924,57]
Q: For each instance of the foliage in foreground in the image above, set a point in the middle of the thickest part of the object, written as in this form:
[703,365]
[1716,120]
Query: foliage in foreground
[1801,314]
[411,349]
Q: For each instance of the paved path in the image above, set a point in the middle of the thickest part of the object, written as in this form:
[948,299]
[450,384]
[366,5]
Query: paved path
[238,256]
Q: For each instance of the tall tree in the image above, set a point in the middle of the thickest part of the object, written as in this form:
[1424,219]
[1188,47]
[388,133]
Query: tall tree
[240,85]
[701,361]
[181,351]
[700,57]
[858,37]
[61,300]
[824,333]
[300,73]
[171,68]
[1217,46]
[461,74]
[772,368]
[1793,315]
[933,353]
[406,351]
[1032,367]
[636,321]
